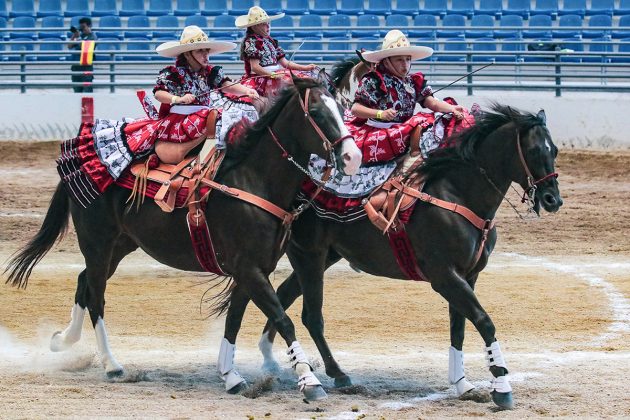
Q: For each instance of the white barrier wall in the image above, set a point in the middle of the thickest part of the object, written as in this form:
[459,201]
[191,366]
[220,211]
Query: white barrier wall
[581,120]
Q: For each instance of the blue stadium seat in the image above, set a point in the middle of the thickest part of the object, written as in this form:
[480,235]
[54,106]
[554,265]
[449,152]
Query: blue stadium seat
[49,8]
[572,48]
[339,44]
[161,40]
[367,20]
[380,7]
[310,25]
[109,22]
[512,45]
[77,8]
[568,20]
[61,53]
[167,21]
[452,20]
[542,57]
[545,7]
[138,22]
[3,9]
[25,22]
[624,28]
[434,7]
[104,8]
[573,7]
[400,22]
[408,7]
[490,7]
[19,45]
[223,21]
[479,21]
[296,7]
[339,21]
[351,7]
[424,20]
[196,20]
[187,8]
[624,47]
[463,7]
[214,8]
[137,45]
[369,43]
[485,45]
[160,7]
[426,42]
[598,21]
[601,7]
[324,7]
[52,28]
[312,50]
[3,35]
[539,27]
[22,8]
[518,7]
[509,20]
[601,46]
[241,7]
[272,7]
[283,22]
[132,8]
[456,51]
[286,43]
[624,8]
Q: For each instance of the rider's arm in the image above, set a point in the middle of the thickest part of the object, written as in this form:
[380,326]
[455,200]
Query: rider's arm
[238,89]
[295,66]
[257,68]
[438,105]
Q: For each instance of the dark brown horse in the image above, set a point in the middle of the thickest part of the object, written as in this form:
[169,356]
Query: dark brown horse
[476,173]
[246,238]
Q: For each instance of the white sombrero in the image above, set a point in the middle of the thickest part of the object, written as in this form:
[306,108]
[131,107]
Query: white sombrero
[255,16]
[193,38]
[396,43]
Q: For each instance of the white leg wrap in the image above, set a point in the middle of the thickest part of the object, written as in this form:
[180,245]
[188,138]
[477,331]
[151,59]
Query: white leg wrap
[225,365]
[72,334]
[456,375]
[107,358]
[302,367]
[266,348]
[494,357]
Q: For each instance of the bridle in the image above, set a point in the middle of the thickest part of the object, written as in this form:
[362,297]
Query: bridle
[329,146]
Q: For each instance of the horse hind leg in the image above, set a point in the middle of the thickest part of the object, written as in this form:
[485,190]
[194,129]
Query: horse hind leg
[234,382]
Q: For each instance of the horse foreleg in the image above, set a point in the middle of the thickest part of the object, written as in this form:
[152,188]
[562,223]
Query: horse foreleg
[460,295]
[264,297]
[234,382]
[287,292]
[456,374]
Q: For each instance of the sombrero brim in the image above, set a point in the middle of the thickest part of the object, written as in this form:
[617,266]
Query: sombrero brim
[416,53]
[242,21]
[174,48]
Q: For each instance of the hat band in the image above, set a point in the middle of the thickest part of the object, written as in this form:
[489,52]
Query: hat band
[202,37]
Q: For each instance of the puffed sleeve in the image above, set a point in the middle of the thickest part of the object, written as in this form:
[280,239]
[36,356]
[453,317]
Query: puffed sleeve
[251,48]
[422,88]
[168,80]
[370,91]
[279,51]
[216,76]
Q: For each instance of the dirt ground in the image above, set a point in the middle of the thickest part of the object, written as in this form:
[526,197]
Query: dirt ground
[557,288]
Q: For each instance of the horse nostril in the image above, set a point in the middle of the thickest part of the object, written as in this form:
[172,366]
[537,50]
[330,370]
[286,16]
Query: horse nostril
[549,199]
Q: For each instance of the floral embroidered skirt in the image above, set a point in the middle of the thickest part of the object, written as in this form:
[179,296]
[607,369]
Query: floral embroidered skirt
[270,87]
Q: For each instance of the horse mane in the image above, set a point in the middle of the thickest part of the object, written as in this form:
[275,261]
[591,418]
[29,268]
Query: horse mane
[341,69]
[464,144]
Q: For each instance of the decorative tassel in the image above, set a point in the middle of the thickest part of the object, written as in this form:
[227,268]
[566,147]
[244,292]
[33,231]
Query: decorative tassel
[140,186]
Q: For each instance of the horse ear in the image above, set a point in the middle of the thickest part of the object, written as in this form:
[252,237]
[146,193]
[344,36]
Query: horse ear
[321,76]
[542,117]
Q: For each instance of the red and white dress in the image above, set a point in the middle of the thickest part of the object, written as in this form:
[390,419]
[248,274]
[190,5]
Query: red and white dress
[92,161]
[267,50]
[383,141]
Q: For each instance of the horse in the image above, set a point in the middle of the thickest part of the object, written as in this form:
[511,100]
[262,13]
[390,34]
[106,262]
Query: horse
[504,146]
[266,161]
[345,76]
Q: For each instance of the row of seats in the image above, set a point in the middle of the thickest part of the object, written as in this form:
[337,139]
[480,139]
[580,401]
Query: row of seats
[320,7]
[454,51]
[339,26]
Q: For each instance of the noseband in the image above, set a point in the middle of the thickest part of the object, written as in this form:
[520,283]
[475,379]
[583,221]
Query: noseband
[532,184]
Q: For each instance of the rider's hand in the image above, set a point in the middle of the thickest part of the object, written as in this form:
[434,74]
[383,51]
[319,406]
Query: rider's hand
[252,93]
[310,67]
[388,114]
[458,111]
[188,98]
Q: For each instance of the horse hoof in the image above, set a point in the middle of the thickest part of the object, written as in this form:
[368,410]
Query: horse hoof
[314,393]
[503,399]
[271,367]
[57,342]
[238,388]
[343,381]
[112,374]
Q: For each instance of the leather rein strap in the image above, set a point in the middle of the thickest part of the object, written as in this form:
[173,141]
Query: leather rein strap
[531,183]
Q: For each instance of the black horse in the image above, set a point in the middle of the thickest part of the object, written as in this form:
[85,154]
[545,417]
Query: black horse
[246,238]
[504,146]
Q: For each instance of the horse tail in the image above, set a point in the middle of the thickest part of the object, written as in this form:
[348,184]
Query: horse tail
[54,227]
[341,69]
